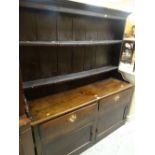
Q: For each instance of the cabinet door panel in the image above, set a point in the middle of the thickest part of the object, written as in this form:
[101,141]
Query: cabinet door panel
[67,134]
[109,119]
[70,143]
[62,125]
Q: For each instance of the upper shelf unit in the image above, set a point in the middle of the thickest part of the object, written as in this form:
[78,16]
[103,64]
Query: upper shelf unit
[68,43]
[68,21]
[65,6]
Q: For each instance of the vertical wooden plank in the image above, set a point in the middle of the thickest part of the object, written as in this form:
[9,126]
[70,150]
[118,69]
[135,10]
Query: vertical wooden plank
[118,30]
[102,56]
[91,29]
[79,28]
[64,27]
[46,26]
[109,31]
[106,29]
[30,63]
[21,98]
[101,30]
[78,59]
[27,25]
[48,61]
[64,60]
[89,58]
[99,56]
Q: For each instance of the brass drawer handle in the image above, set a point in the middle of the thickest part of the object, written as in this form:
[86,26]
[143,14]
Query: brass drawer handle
[72,118]
[116,98]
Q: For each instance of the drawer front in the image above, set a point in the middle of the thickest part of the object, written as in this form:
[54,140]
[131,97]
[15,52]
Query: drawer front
[64,124]
[121,98]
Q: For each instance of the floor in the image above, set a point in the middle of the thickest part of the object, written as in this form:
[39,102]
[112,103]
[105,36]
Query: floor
[120,142]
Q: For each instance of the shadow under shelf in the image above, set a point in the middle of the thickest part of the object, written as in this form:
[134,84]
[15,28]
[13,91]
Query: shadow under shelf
[67,77]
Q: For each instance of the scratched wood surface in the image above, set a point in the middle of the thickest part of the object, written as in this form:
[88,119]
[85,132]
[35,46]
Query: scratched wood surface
[57,104]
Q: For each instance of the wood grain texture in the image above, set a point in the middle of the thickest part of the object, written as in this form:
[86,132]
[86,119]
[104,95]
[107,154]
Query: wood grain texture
[58,127]
[64,60]
[46,26]
[48,61]
[61,135]
[27,28]
[55,105]
[78,59]
[26,145]
[30,63]
[79,28]
[64,27]
[71,142]
[21,98]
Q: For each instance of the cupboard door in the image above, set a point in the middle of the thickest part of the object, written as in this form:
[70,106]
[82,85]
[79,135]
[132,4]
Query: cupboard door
[112,112]
[71,142]
[109,120]
[67,134]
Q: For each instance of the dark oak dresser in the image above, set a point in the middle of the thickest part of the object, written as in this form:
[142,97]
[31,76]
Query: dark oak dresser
[73,93]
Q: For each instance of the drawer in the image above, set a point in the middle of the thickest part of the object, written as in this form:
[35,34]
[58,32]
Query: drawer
[120,98]
[64,124]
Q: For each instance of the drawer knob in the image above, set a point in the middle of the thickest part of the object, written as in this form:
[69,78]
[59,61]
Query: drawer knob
[72,118]
[117,97]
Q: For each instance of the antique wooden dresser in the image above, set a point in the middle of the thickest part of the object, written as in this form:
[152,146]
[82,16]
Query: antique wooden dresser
[73,93]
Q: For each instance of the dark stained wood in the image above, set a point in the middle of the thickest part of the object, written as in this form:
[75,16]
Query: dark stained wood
[27,29]
[71,142]
[54,105]
[102,56]
[53,129]
[64,132]
[68,77]
[108,29]
[29,63]
[91,29]
[89,58]
[78,59]
[26,145]
[70,7]
[64,27]
[46,26]
[64,60]
[109,119]
[69,54]
[105,133]
[48,61]
[114,100]
[79,28]
[21,99]
[112,111]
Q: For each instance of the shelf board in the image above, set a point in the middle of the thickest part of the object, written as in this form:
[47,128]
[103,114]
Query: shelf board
[67,77]
[68,43]
[80,9]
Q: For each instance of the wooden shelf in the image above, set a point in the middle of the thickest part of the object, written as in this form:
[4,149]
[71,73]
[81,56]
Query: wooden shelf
[68,43]
[75,8]
[67,77]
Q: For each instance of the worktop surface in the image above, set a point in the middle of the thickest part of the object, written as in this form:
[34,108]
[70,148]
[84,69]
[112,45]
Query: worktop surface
[55,105]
